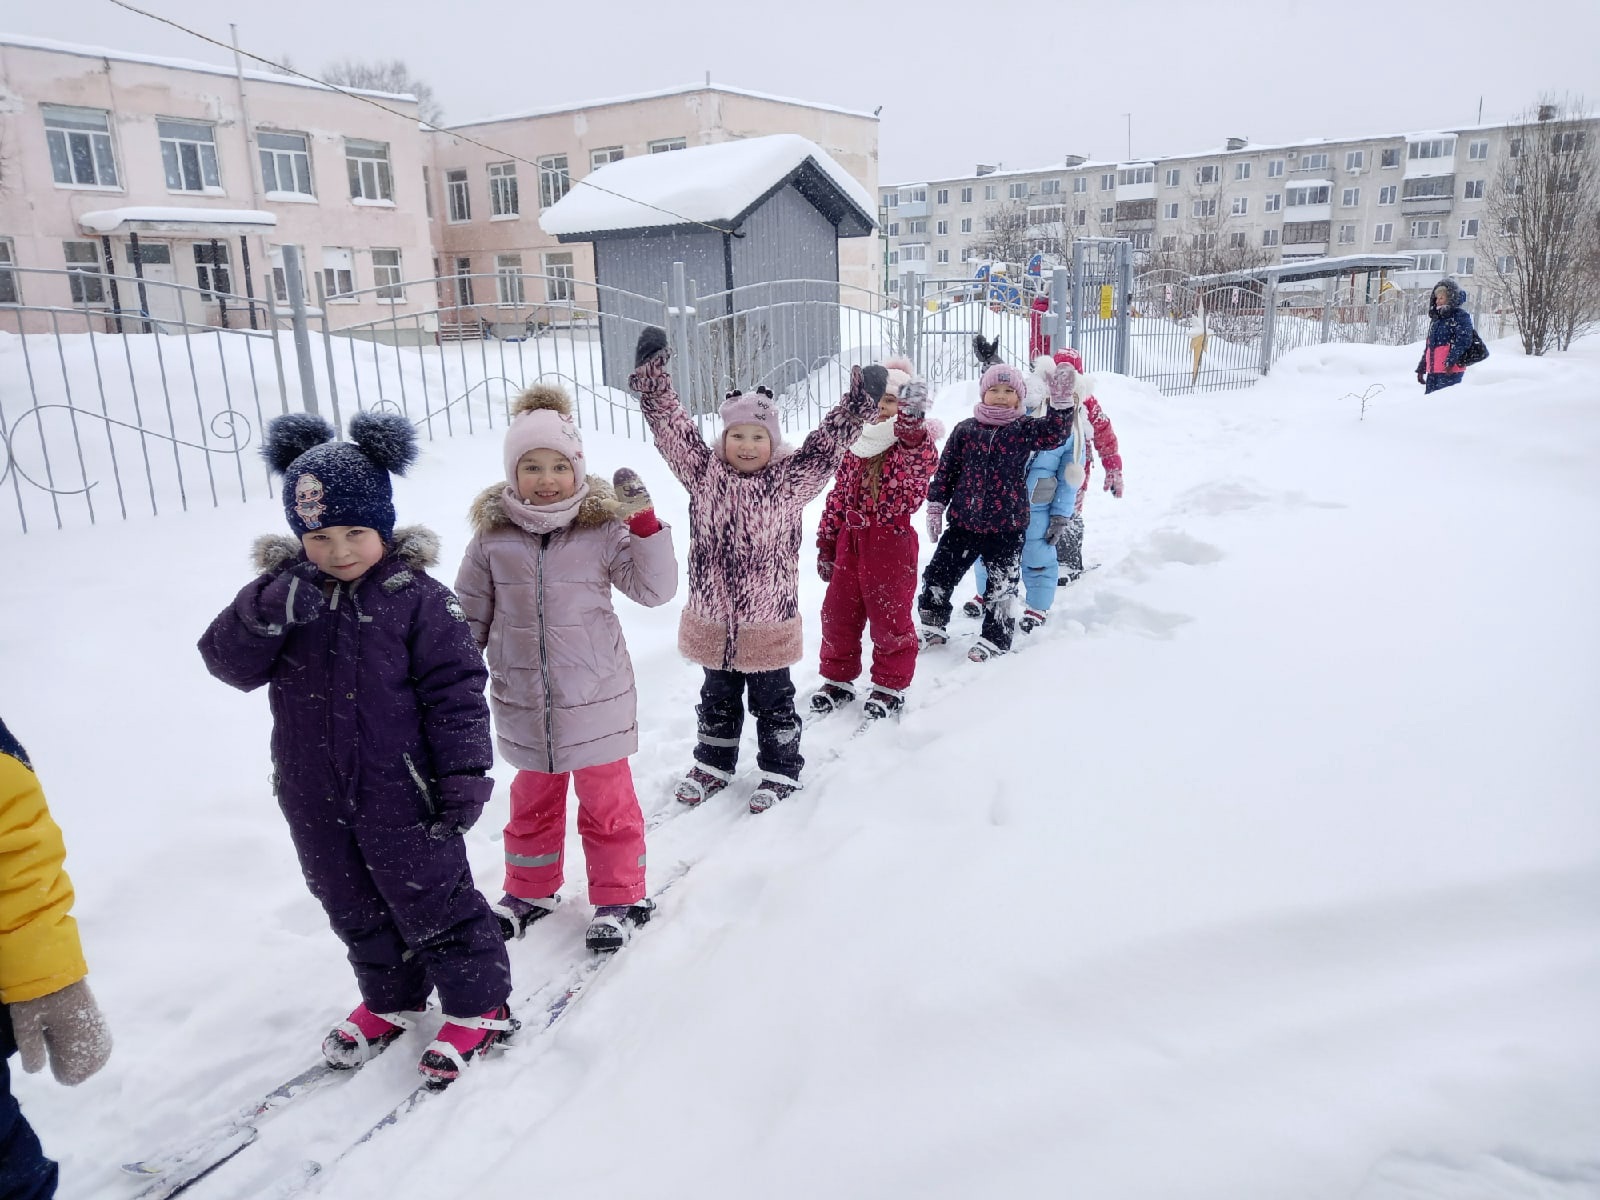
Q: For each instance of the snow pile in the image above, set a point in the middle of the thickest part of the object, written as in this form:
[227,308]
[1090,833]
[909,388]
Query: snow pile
[1267,868]
[715,184]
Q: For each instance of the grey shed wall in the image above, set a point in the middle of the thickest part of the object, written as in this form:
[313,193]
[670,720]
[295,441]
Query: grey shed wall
[638,268]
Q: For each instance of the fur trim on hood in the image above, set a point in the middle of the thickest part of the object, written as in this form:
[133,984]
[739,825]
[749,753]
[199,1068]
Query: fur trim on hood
[488,512]
[542,396]
[416,545]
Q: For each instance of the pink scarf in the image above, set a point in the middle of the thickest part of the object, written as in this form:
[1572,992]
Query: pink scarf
[542,518]
[995,414]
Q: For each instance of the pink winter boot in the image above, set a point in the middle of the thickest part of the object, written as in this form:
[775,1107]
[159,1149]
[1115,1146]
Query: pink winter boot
[462,1039]
[364,1035]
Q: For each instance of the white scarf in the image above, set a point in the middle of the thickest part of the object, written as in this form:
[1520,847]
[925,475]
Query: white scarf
[874,440]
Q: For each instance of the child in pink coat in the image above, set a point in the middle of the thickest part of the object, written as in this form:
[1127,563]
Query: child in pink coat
[535,587]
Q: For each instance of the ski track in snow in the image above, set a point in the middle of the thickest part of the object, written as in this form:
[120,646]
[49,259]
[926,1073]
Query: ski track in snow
[1265,868]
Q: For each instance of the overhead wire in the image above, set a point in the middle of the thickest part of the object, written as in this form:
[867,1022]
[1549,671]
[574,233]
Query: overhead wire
[284,69]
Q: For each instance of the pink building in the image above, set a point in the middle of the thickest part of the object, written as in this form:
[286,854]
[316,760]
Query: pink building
[182,173]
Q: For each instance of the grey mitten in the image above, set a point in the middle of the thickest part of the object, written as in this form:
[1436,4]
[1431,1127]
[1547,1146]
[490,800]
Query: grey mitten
[935,521]
[461,801]
[914,400]
[67,1029]
[293,598]
[1056,529]
[632,495]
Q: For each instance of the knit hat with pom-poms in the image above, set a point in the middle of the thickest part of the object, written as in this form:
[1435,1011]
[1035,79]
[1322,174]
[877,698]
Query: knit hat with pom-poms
[541,419]
[326,482]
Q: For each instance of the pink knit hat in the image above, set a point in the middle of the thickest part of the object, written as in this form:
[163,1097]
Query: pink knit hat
[750,408]
[542,420]
[1002,373]
[900,372]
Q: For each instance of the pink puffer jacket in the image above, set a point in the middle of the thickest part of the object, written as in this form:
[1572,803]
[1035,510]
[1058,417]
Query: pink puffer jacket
[560,680]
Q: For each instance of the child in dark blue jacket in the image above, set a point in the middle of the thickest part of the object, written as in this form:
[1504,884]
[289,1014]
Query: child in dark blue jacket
[1449,335]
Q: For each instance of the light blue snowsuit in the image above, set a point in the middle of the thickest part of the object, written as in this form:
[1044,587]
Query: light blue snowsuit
[1049,495]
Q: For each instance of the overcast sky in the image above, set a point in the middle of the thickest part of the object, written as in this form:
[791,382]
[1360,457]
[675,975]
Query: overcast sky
[996,81]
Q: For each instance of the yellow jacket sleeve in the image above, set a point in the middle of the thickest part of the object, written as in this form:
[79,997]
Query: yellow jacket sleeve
[39,948]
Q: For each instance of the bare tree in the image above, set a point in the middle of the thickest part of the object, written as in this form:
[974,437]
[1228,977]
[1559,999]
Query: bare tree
[1214,237]
[1543,211]
[387,76]
[1006,235]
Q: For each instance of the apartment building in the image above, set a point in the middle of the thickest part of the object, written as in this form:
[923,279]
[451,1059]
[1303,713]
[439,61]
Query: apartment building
[186,173]
[1420,194]
[485,198]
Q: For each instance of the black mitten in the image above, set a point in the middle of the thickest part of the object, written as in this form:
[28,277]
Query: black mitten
[874,381]
[652,341]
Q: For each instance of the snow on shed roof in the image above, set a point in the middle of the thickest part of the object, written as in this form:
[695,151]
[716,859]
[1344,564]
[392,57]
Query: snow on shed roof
[1311,268]
[714,185]
[683,90]
[175,220]
[181,64]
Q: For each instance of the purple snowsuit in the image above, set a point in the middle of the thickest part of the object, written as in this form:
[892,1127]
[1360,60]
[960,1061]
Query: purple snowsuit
[374,703]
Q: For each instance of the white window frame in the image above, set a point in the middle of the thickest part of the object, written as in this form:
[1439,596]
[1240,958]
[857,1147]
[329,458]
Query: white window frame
[966,224]
[1477,151]
[1305,194]
[1383,232]
[605,156]
[1269,237]
[1237,239]
[1505,264]
[1080,216]
[1355,160]
[505,202]
[188,157]
[555,179]
[1240,206]
[1472,189]
[941,228]
[1469,228]
[1426,227]
[667,145]
[458,196]
[1108,181]
[943,256]
[942,196]
[1466,264]
[966,195]
[560,277]
[1080,185]
[388,277]
[1205,206]
[85,274]
[1169,242]
[1169,212]
[1350,197]
[280,277]
[1049,187]
[285,161]
[1207,174]
[1241,171]
[10,286]
[1273,202]
[508,289]
[1174,177]
[1016,191]
[1390,156]
[1346,235]
[1275,168]
[339,274]
[1440,147]
[214,278]
[81,137]
[991,191]
[1314,162]
[917,225]
[1108,216]
[1431,261]
[894,228]
[370,176]
[1388,193]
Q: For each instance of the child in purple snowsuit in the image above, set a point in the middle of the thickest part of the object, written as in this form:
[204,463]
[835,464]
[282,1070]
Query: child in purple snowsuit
[380,738]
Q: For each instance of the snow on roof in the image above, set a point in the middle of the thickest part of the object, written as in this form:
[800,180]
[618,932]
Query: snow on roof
[181,64]
[1315,267]
[715,185]
[684,90]
[109,220]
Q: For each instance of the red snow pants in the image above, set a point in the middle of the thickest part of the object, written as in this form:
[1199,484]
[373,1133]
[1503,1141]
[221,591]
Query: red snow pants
[874,582]
[609,822]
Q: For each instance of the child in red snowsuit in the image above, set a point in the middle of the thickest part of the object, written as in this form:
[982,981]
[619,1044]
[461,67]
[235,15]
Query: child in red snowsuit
[867,551]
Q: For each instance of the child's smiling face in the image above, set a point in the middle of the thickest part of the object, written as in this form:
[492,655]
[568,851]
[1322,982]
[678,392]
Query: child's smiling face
[545,477]
[748,448]
[1002,395]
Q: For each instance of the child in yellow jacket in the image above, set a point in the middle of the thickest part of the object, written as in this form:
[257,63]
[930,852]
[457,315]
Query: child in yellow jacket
[46,1010]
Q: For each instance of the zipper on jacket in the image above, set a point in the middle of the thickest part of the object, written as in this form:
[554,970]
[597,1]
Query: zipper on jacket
[544,660]
[422,785]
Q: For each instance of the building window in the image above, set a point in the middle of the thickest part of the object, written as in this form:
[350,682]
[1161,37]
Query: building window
[1466,266]
[966,195]
[1080,216]
[1350,198]
[1273,202]
[1241,170]
[1432,263]
[1207,174]
[1428,188]
[1506,264]
[918,253]
[891,200]
[189,155]
[920,225]
[368,167]
[1314,162]
[1141,241]
[944,256]
[80,146]
[1107,215]
[1016,191]
[1108,180]
[1269,237]
[559,275]
[459,206]
[463,281]
[1425,229]
[1240,206]
[338,272]
[1387,194]
[1170,211]
[919,195]
[386,274]
[988,224]
[211,269]
[1136,175]
[285,163]
[503,198]
[1432,148]
[1311,193]
[894,257]
[1302,233]
[1080,185]
[83,263]
[607,154]
[941,227]
[1236,239]
[1203,241]
[1570,142]
[663,145]
[1204,208]
[1383,232]
[1347,235]
[1472,190]
[554,180]
[280,276]
[991,191]
[1169,243]
[1355,160]
[1174,177]
[1477,151]
[9,292]
[966,224]
[894,285]
[1389,157]
[894,228]
[942,196]
[508,278]
[1275,168]
[1050,187]
[427,192]
[1469,227]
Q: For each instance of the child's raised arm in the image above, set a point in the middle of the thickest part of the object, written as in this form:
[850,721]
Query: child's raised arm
[809,468]
[677,438]
[644,565]
[242,645]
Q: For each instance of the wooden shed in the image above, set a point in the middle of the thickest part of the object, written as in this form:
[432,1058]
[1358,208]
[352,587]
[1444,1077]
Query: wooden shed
[756,222]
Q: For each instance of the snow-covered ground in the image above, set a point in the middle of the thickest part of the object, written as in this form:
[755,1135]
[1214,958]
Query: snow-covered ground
[1267,869]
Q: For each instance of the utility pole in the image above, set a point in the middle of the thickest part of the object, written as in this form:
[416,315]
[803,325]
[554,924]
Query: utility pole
[1129,116]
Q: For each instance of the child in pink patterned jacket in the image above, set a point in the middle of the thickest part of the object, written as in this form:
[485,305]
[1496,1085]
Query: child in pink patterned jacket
[742,619]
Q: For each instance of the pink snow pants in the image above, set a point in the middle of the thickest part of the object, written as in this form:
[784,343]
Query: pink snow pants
[609,822]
